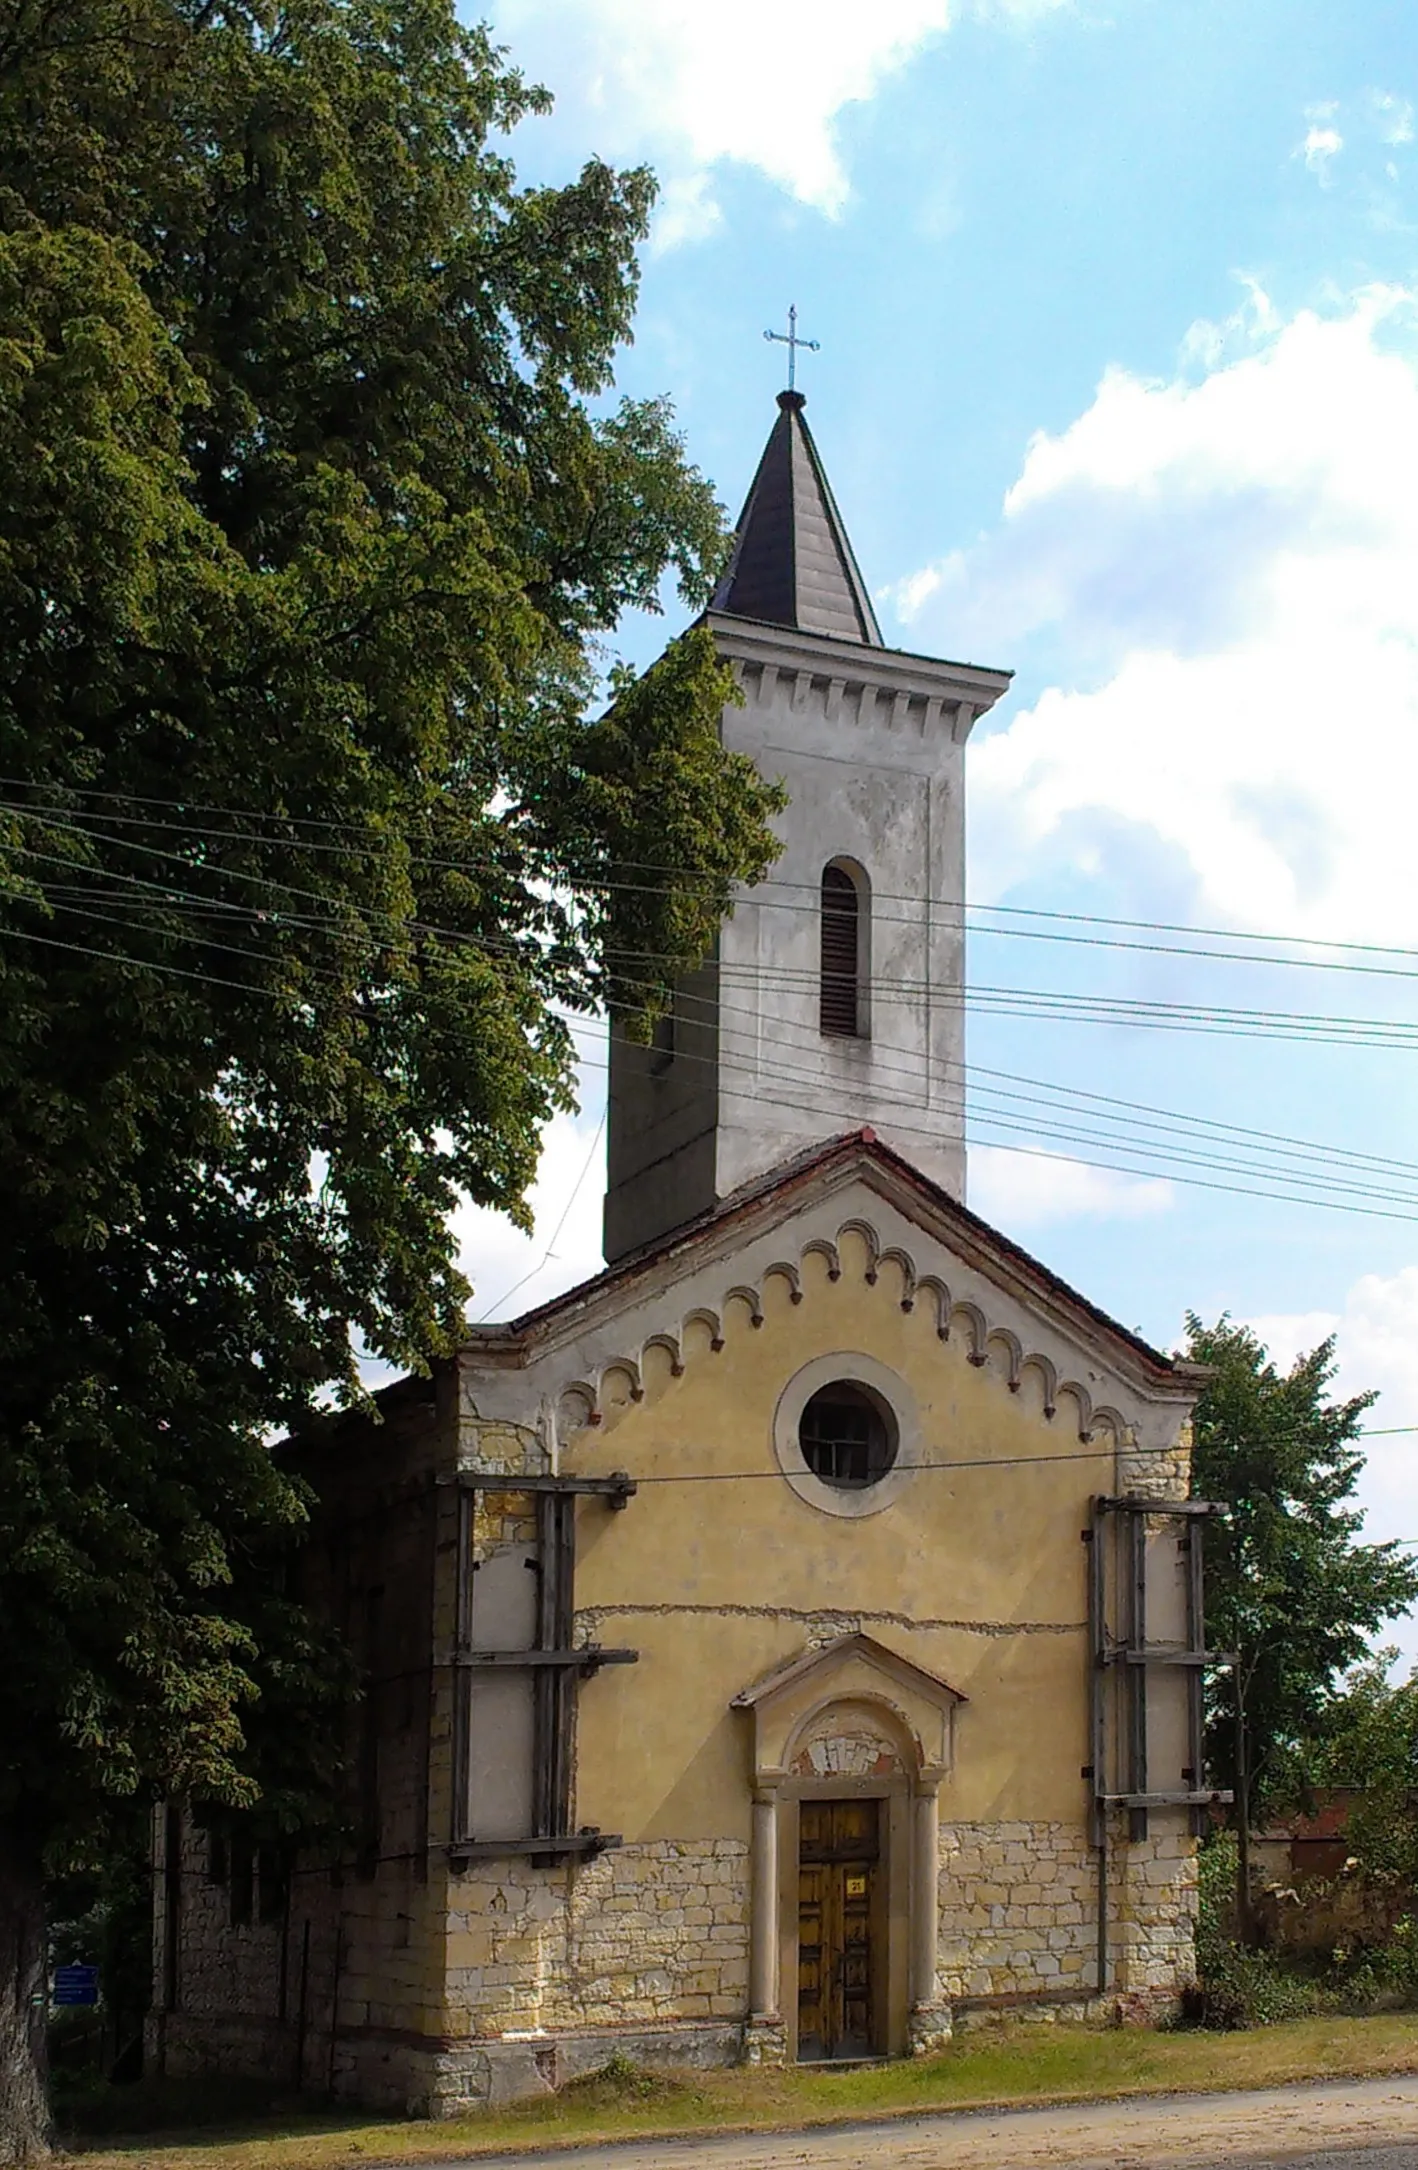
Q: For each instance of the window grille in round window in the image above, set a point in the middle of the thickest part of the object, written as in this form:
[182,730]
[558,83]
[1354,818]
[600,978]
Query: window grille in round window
[848,1436]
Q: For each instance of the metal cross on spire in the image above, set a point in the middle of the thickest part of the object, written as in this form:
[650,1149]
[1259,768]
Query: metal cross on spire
[791,341]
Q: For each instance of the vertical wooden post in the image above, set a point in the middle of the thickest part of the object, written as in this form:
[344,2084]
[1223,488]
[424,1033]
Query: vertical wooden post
[1196,1643]
[925,1900]
[763,1966]
[335,2006]
[1243,1814]
[460,1806]
[1096,1539]
[1137,1671]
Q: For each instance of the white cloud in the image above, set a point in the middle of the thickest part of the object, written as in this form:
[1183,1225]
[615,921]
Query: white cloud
[1226,571]
[761,82]
[1392,116]
[1320,147]
[1029,1190]
[687,211]
[512,1273]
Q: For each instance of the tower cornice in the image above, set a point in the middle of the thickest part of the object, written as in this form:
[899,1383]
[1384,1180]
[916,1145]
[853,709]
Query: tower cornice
[942,692]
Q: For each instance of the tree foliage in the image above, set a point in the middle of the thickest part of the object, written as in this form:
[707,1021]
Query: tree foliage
[1291,1588]
[318,512]
[1368,1740]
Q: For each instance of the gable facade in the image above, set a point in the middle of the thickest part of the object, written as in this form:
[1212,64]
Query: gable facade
[721,1653]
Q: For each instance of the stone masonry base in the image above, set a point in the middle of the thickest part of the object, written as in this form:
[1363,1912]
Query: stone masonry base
[479,2073]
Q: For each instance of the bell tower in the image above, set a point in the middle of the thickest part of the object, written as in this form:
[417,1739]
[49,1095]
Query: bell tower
[834,997]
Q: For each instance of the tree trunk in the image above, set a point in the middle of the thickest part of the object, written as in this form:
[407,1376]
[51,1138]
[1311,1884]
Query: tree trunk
[24,2002]
[1245,1920]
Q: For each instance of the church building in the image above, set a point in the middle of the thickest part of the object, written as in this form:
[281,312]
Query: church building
[787,1645]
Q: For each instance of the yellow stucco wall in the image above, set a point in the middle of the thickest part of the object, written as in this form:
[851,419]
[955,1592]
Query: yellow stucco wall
[977,1574]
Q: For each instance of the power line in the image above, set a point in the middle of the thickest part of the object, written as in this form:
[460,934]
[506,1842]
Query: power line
[675,880]
[1316,1028]
[1297,1179]
[986,1121]
[918,1072]
[1301,1183]
[550,1251]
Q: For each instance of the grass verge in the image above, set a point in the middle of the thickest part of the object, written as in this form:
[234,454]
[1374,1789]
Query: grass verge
[1020,2065]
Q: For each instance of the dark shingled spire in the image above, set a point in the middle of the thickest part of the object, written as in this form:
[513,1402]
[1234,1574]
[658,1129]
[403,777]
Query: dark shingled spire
[792,562]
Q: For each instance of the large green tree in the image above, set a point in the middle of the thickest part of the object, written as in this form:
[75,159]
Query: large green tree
[316,512]
[1291,1588]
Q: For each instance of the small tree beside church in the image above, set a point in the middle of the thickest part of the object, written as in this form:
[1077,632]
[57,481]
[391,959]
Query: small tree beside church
[311,536]
[1291,1589]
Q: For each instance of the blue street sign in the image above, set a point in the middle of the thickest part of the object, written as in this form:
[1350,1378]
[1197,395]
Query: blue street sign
[76,1985]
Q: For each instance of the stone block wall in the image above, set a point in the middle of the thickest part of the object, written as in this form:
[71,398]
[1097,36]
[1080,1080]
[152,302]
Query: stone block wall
[1017,1909]
[1153,1915]
[1019,1914]
[641,1935]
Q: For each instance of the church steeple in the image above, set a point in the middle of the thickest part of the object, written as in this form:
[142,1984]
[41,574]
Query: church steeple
[792,563]
[834,998]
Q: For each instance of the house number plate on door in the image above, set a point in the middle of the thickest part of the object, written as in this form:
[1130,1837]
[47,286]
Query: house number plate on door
[856,1887]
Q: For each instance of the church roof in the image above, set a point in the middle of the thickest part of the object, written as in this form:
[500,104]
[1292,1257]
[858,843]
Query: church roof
[854,1153]
[792,563]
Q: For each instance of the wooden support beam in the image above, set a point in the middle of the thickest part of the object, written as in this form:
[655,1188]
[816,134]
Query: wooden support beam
[463,1851]
[1161,1654]
[616,1489]
[1140,1503]
[587,1658]
[1192,1797]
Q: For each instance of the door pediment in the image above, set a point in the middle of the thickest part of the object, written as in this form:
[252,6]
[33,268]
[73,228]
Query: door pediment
[850,1708]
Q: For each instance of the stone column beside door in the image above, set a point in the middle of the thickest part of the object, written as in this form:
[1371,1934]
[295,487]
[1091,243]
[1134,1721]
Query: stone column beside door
[930,2021]
[764,2037]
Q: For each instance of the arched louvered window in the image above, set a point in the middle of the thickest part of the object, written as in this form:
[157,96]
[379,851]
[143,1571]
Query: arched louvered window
[841,993]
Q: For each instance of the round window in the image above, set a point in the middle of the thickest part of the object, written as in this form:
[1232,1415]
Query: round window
[848,1436]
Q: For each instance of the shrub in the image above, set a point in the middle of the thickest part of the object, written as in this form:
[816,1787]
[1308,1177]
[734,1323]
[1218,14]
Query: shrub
[1240,1988]
[1237,1987]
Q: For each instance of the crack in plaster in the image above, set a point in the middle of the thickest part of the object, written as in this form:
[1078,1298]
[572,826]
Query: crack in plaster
[593,1616]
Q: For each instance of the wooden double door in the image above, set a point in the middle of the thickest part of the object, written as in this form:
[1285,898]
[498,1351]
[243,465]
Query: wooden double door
[839,1867]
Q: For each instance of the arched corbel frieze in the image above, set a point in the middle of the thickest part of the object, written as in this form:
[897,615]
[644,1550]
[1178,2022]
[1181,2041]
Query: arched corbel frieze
[906,1267]
[1048,1379]
[710,1320]
[994,1347]
[671,1349]
[1083,1402]
[576,1407]
[871,1243]
[931,1285]
[749,1298]
[620,1368]
[781,1269]
[1007,1350]
[977,1330]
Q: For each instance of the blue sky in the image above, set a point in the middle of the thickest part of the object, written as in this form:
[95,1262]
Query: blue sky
[1118,388]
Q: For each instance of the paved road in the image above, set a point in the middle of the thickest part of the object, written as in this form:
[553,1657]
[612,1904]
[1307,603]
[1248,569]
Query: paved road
[1335,2125]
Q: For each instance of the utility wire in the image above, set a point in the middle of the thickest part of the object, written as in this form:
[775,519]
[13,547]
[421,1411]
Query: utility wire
[1310,1026]
[1132,1146]
[987,1121]
[674,880]
[1300,1181]
[550,1251]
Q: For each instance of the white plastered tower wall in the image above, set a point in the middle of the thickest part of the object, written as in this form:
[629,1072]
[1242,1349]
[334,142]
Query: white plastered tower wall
[870,744]
[871,748]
